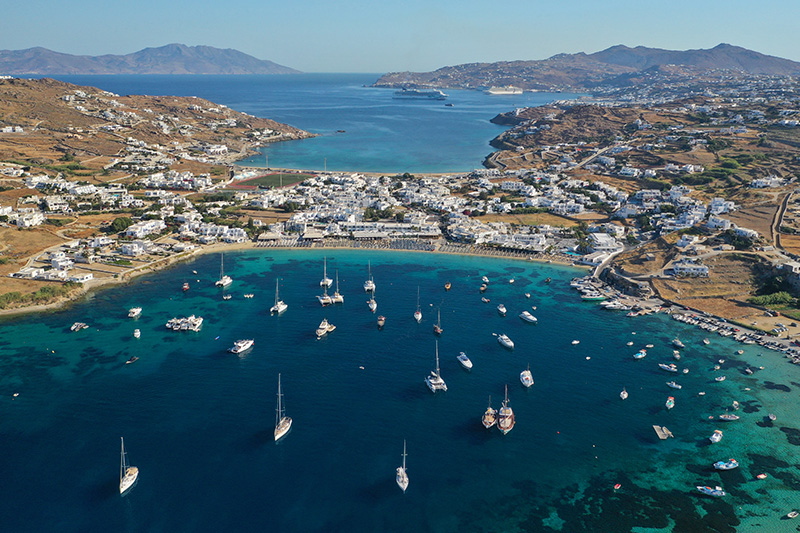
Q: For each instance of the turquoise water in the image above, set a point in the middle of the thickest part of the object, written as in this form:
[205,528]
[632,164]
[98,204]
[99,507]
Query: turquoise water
[381,134]
[198,421]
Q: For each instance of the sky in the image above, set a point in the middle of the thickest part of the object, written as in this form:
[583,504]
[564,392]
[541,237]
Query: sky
[377,36]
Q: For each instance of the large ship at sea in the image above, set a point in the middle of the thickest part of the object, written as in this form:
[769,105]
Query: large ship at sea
[430,94]
[507,89]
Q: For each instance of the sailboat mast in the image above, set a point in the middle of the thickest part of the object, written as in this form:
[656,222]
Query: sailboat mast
[122,458]
[276,292]
[437,358]
[404,455]
[279,409]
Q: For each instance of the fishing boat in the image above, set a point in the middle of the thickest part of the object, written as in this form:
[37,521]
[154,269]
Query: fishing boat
[337,298]
[676,342]
[437,328]
[137,334]
[526,377]
[134,312]
[623,394]
[434,380]
[489,417]
[716,492]
[674,385]
[501,310]
[282,422]
[133,359]
[729,417]
[402,475]
[241,346]
[279,306]
[505,341]
[128,475]
[464,360]
[223,280]
[371,303]
[716,436]
[185,286]
[447,286]
[670,402]
[528,317]
[325,282]
[505,417]
[324,328]
[369,285]
[418,313]
[483,288]
[668,367]
[726,465]
[640,354]
[381,321]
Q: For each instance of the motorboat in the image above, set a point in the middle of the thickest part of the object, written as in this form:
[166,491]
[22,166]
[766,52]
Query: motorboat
[128,475]
[402,476]
[226,296]
[464,360]
[623,394]
[325,282]
[185,286]
[447,286]
[511,281]
[485,300]
[324,328]
[676,342]
[716,492]
[485,280]
[527,295]
[668,367]
[792,514]
[576,341]
[716,436]
[283,423]
[674,385]
[676,355]
[501,309]
[381,321]
[134,312]
[730,417]
[670,402]
[77,326]
[434,379]
[772,417]
[528,317]
[279,306]
[505,341]
[372,304]
[369,285]
[483,288]
[730,464]
[489,417]
[505,417]
[137,334]
[719,378]
[241,346]
[706,341]
[526,377]
[640,354]
[133,359]
[223,280]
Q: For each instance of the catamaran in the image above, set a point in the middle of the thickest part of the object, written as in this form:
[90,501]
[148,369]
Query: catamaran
[223,280]
[282,422]
[402,475]
[337,298]
[505,421]
[326,281]
[324,298]
[279,306]
[434,380]
[369,285]
[127,474]
[418,313]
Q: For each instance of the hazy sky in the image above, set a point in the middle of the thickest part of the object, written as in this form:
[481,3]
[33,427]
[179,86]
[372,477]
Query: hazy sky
[378,35]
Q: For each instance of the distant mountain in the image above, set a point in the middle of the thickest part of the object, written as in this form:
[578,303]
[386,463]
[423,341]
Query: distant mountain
[582,71]
[169,59]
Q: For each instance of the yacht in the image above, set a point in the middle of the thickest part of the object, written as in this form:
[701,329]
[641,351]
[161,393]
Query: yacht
[505,417]
[325,281]
[623,394]
[381,321]
[464,360]
[424,94]
[676,342]
[526,377]
[137,333]
[279,306]
[185,286]
[324,299]
[324,328]
[505,341]
[668,367]
[369,285]
[134,312]
[434,380]
[505,90]
[282,422]
[128,475]
[528,317]
[489,417]
[729,417]
[418,313]
[241,346]
[223,280]
[640,354]
[730,464]
[437,328]
[501,309]
[716,436]
[674,385]
[716,492]
[670,402]
[337,298]
[402,475]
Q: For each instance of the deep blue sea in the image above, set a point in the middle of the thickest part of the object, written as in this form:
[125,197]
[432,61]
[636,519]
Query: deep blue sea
[198,421]
[381,134]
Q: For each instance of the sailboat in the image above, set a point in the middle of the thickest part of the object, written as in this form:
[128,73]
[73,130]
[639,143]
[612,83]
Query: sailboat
[223,280]
[127,474]
[505,421]
[489,418]
[437,328]
[369,285]
[373,305]
[279,306]
[434,380]
[282,422]
[337,298]
[402,475]
[326,281]
[418,313]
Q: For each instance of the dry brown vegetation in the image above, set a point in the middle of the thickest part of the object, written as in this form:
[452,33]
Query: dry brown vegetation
[531,219]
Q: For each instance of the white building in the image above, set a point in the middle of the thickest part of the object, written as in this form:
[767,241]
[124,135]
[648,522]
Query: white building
[685,267]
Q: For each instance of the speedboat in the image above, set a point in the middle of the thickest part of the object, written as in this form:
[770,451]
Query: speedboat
[464,360]
[706,341]
[324,328]
[792,514]
[673,385]
[716,492]
[640,354]
[716,436]
[137,333]
[719,378]
[185,286]
[505,341]
[668,367]
[133,359]
[501,309]
[676,342]
[528,317]
[241,346]
[527,295]
[623,394]
[670,402]
[485,300]
[729,417]
[772,417]
[485,280]
[489,417]
[134,312]
[483,288]
[526,377]
[726,465]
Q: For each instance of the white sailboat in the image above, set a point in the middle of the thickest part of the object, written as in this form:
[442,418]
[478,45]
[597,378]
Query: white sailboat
[282,422]
[279,306]
[337,298]
[127,474]
[373,305]
[402,475]
[437,328]
[326,281]
[223,280]
[506,420]
[324,298]
[418,313]
[434,380]
[369,285]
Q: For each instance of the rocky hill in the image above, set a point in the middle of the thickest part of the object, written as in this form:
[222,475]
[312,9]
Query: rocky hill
[169,59]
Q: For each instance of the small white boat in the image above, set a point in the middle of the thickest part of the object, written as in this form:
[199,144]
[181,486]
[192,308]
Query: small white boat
[505,341]
[716,436]
[706,341]
[485,300]
[719,378]
[670,402]
[325,282]
[241,346]
[792,514]
[676,342]
[576,341]
[511,281]
[528,317]
[137,333]
[668,367]
[369,285]
[623,394]
[527,295]
[526,377]
[485,280]
[283,423]
[464,360]
[716,492]
[134,312]
[372,304]
[418,313]
[729,417]
[674,385]
[726,465]
[324,328]
[489,417]
[640,354]
[501,309]
[402,475]
[128,475]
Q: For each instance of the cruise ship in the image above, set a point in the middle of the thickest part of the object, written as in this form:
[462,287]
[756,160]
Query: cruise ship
[508,89]
[430,94]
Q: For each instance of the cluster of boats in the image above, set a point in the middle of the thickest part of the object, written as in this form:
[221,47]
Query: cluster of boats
[504,418]
[77,326]
[190,323]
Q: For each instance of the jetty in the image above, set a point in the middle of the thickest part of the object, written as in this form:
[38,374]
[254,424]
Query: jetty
[662,432]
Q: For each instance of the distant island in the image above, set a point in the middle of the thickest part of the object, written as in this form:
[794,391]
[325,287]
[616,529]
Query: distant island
[169,59]
[614,68]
